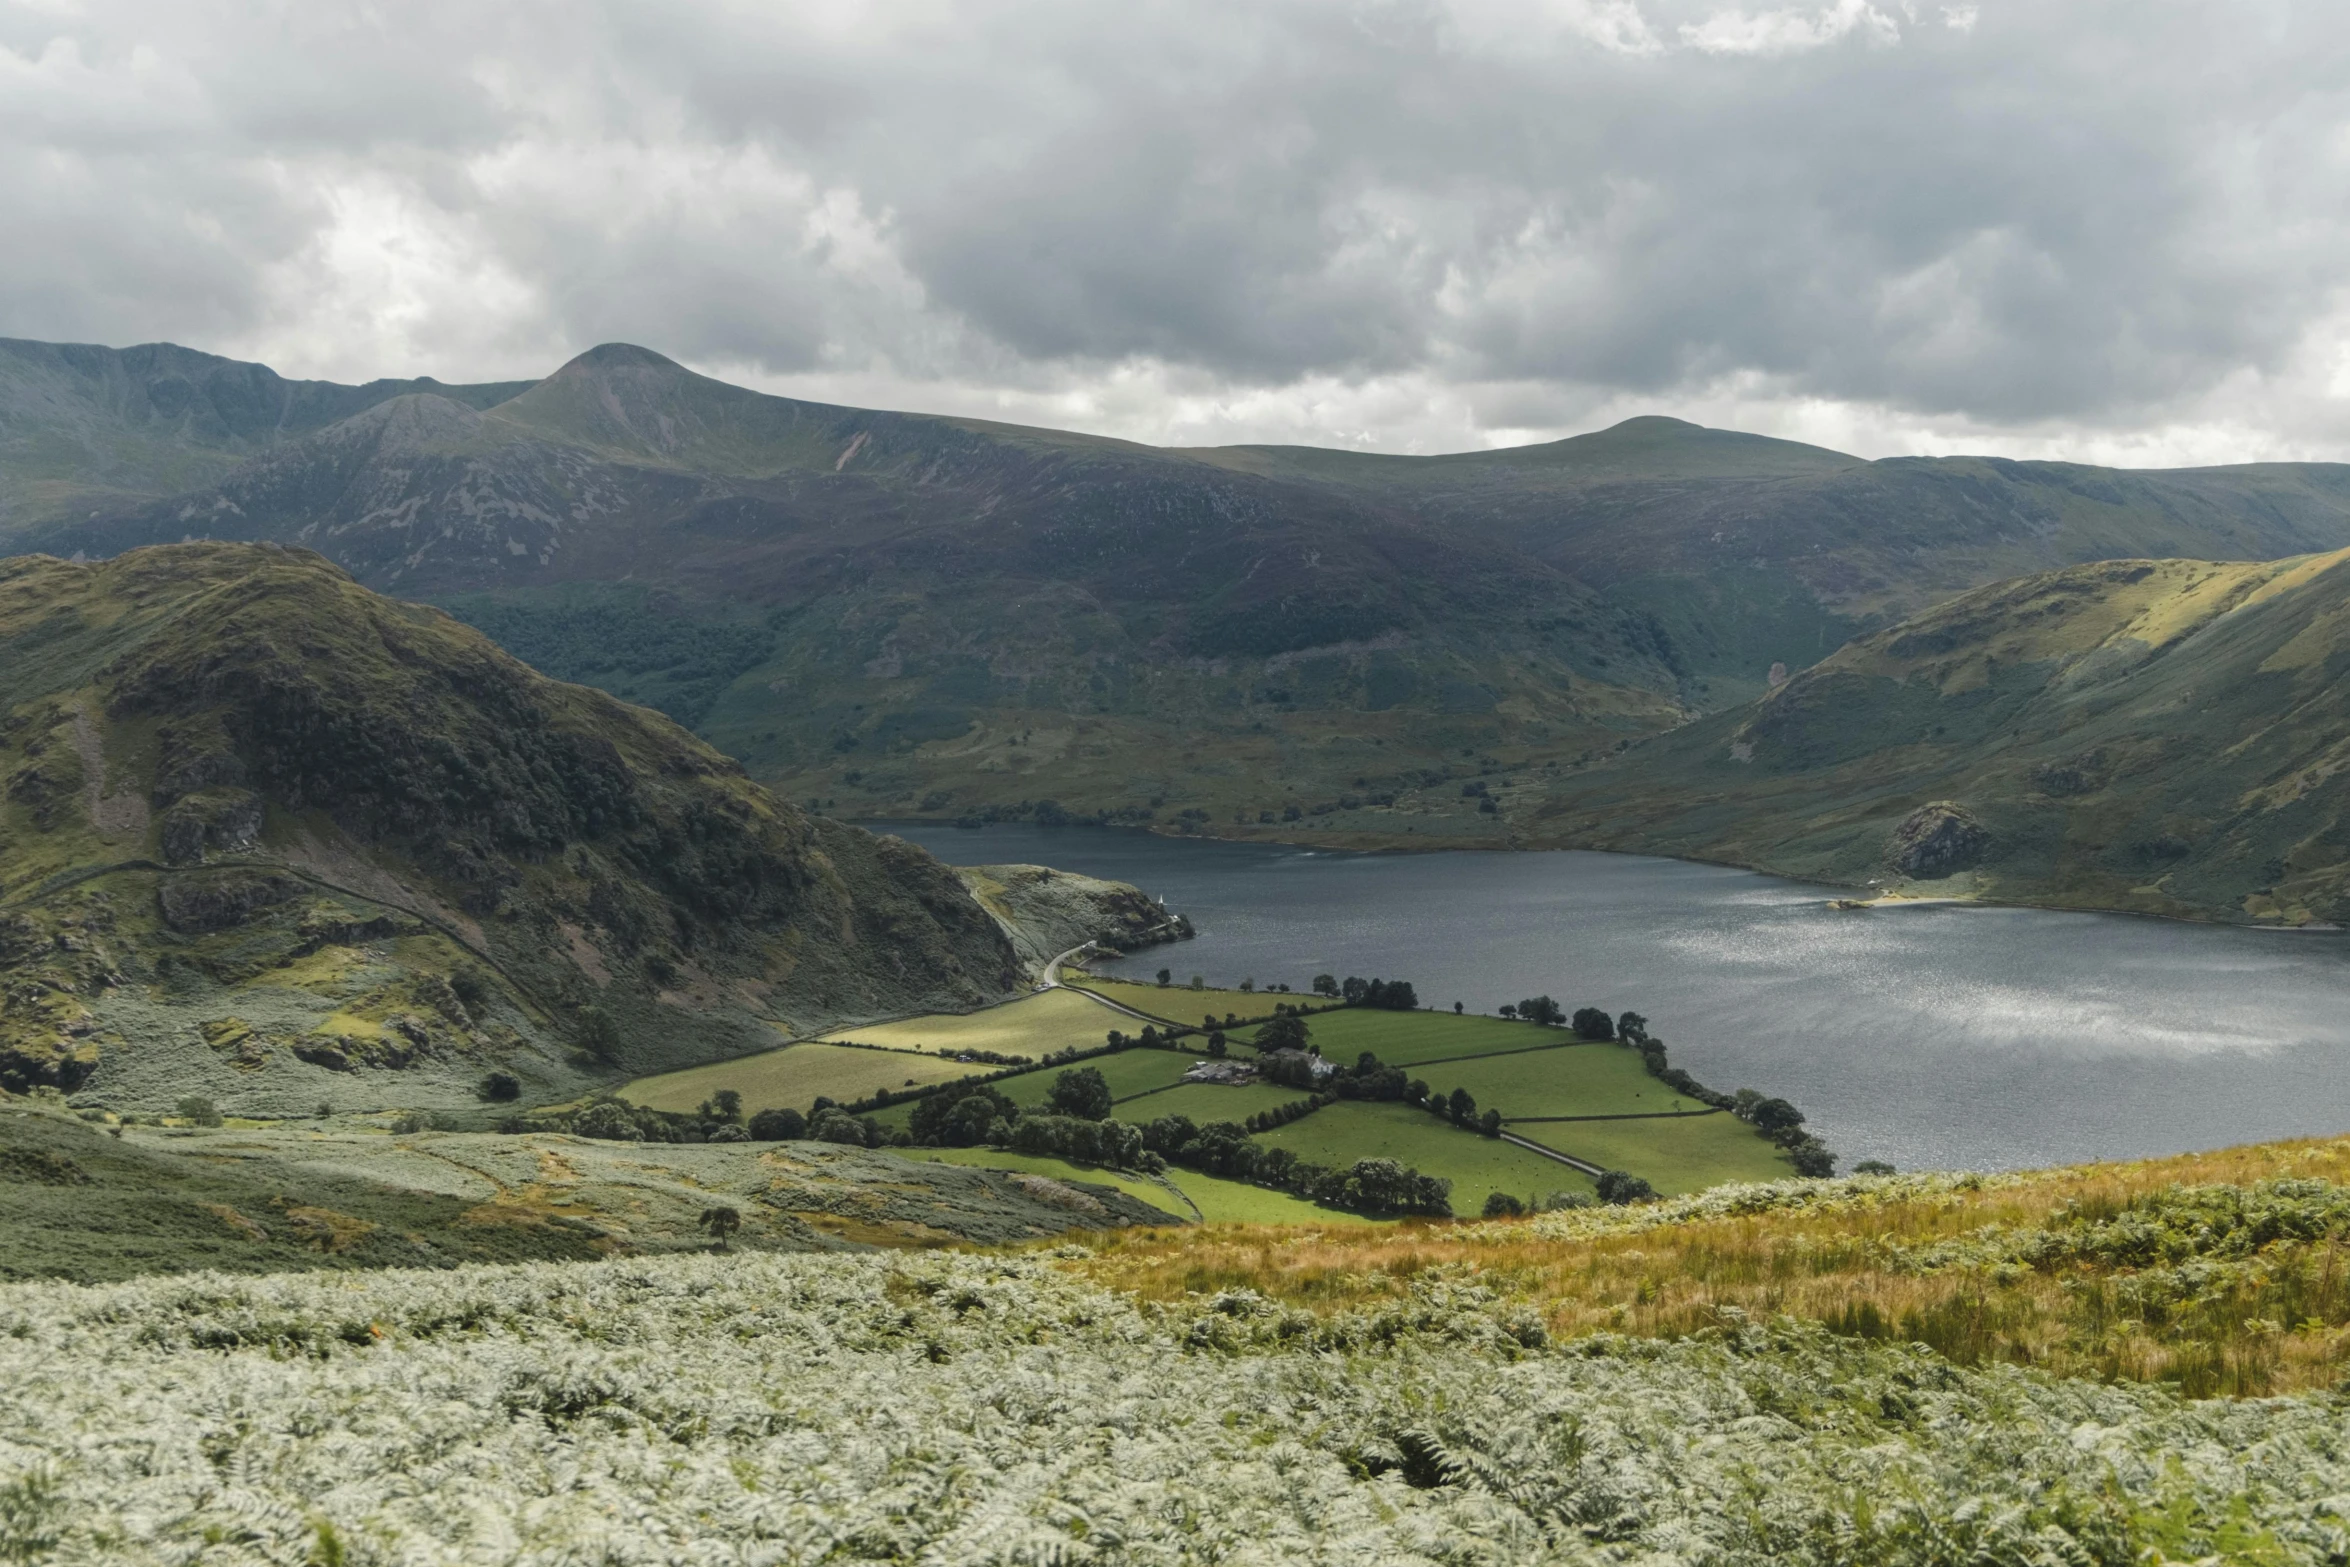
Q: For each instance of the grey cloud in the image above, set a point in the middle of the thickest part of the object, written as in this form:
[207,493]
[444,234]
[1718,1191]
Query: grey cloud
[2094,212]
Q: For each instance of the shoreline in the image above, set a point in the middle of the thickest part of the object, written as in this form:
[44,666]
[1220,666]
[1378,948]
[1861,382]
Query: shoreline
[1833,888]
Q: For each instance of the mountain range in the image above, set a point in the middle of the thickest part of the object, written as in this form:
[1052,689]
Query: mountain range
[899,614]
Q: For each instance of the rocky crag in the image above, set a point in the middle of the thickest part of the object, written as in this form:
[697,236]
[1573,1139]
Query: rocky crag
[1045,912]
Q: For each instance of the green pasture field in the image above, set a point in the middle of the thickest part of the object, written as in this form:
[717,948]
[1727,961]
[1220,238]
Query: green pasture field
[1128,1072]
[1219,1201]
[793,1077]
[1408,1038]
[1032,1026]
[1674,1156]
[1179,1003]
[1207,1102]
[1340,1134]
[1569,1080]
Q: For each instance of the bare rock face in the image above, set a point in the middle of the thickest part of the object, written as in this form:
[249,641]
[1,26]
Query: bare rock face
[1936,840]
[1045,912]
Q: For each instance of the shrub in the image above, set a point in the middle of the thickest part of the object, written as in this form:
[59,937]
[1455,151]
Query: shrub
[500,1088]
[1082,1093]
[1621,1187]
[778,1126]
[199,1111]
[1501,1205]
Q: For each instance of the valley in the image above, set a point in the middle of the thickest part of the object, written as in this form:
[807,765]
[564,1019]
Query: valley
[887,614]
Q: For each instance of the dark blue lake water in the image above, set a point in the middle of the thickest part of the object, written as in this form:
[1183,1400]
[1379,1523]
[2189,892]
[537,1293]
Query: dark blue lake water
[1934,1037]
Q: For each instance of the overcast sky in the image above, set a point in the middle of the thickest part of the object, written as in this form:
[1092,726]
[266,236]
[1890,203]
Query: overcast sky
[2115,229]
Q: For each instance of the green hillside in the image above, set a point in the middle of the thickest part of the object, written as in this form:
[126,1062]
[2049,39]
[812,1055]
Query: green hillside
[904,615]
[2161,736]
[268,837]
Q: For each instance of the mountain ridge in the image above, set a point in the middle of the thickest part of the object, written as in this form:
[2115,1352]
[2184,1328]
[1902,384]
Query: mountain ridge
[2163,737]
[921,616]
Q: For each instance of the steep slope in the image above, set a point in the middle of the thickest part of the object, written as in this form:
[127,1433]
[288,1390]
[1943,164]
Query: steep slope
[901,614]
[85,429]
[2166,736]
[268,836]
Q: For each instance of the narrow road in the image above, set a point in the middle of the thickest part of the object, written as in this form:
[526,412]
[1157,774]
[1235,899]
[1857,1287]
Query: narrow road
[1050,979]
[1531,1146]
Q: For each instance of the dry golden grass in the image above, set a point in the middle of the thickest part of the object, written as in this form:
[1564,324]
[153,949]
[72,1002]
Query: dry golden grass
[2278,1321]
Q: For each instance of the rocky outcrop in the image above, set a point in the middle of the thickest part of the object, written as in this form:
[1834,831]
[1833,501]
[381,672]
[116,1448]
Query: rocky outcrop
[1937,840]
[1046,912]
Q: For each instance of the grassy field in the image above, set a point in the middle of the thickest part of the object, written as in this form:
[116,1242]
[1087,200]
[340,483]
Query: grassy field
[1674,1156]
[793,1077]
[1127,1072]
[1207,1102]
[1569,1080]
[1178,1003]
[1476,1166]
[1219,1201]
[1409,1038]
[1033,1026]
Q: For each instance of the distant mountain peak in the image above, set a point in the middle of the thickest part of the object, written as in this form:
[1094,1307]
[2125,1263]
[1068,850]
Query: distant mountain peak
[619,356]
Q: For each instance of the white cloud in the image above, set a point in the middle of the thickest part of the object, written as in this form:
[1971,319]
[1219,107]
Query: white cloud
[1417,224]
[1789,31]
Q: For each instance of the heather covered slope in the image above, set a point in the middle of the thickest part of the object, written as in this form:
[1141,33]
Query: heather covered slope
[911,615]
[268,836]
[992,1409]
[2160,736]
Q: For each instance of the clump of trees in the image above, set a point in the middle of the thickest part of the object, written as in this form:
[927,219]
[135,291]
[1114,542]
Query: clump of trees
[1622,1186]
[1373,1186]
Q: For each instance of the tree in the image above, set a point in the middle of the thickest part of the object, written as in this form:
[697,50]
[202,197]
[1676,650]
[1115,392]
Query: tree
[1166,978]
[1217,1046]
[1621,1186]
[725,1105]
[501,1088]
[1508,1011]
[1456,1009]
[1490,1123]
[1082,1093]
[197,1110]
[721,1223]
[835,1125]
[780,1126]
[599,1036]
[1872,1167]
[1462,1105]
[1199,982]
[1541,1009]
[1115,1040]
[1247,985]
[1591,1023]
[1286,1032]
[1352,989]
[1325,984]
[1773,1116]
[960,1116]
[1501,1205]
[1632,1027]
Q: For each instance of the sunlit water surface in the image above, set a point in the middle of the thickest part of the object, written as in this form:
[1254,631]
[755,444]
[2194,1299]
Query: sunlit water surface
[1934,1037]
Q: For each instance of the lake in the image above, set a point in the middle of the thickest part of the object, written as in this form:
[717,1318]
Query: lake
[1935,1037]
